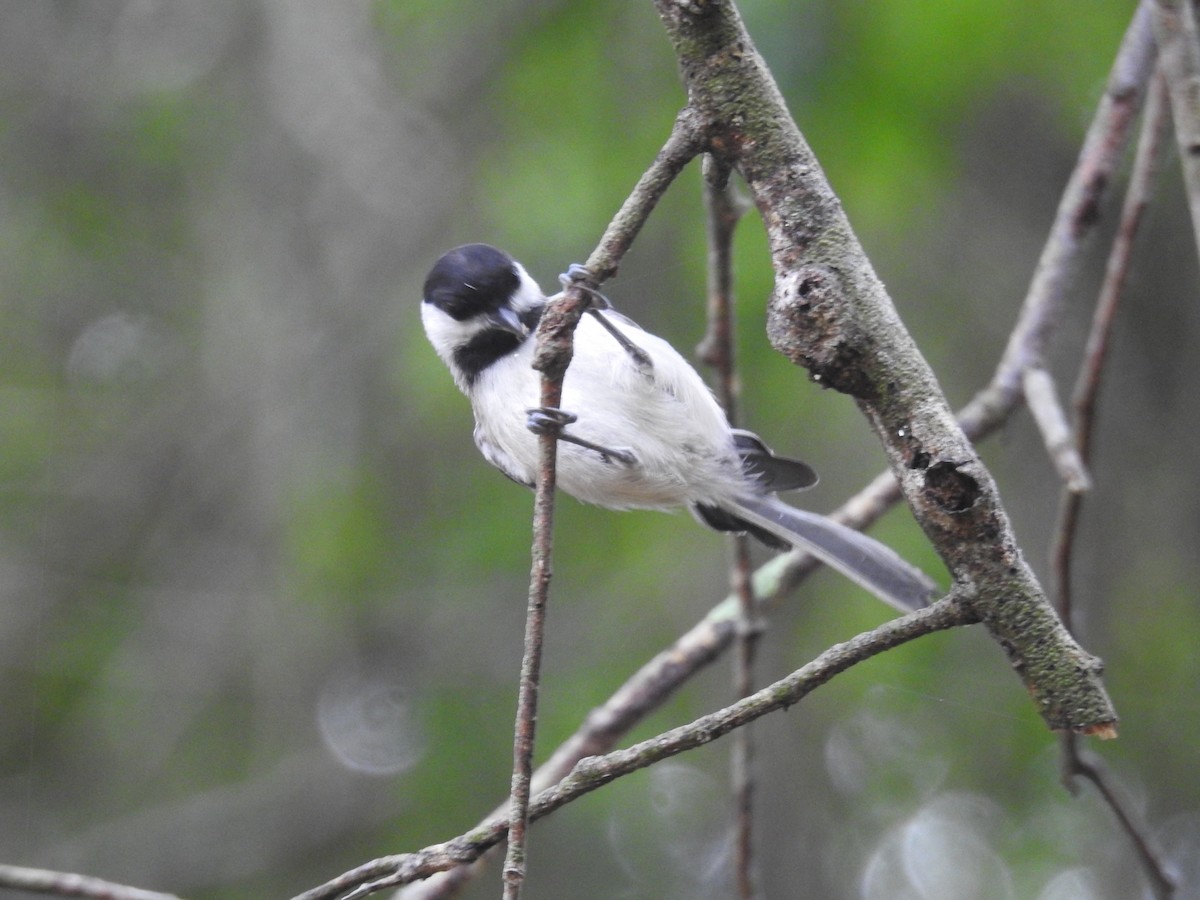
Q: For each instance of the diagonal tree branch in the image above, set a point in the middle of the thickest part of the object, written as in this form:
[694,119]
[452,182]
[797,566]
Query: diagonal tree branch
[594,772]
[686,141]
[1023,368]
[831,314]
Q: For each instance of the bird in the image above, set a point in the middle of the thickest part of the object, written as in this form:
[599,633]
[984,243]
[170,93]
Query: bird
[637,425]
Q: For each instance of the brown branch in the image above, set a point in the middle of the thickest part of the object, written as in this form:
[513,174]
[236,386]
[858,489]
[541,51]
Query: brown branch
[1087,386]
[552,357]
[642,693]
[1042,399]
[724,207]
[686,142]
[593,772]
[1023,367]
[1078,764]
[535,616]
[1075,764]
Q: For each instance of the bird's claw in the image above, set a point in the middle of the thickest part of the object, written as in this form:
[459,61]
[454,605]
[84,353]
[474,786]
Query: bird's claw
[580,276]
[576,275]
[544,420]
[547,419]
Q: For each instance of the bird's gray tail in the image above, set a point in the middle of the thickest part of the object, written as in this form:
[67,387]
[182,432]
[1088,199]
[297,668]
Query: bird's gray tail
[862,559]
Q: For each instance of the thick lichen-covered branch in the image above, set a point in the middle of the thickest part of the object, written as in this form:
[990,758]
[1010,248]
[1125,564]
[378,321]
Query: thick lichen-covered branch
[831,314]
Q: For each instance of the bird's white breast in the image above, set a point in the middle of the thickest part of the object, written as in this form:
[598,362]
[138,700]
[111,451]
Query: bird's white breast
[667,418]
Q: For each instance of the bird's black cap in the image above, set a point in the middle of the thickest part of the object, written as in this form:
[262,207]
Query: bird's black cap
[471,279]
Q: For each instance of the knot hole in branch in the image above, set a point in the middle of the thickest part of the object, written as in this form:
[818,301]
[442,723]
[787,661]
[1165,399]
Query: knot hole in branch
[809,321]
[950,488]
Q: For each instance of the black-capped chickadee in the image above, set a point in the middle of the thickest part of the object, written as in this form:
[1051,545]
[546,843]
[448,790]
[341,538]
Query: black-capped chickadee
[638,426]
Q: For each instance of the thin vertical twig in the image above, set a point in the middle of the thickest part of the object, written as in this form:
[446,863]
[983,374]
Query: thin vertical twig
[724,207]
[551,357]
[1075,764]
[531,661]
[1179,51]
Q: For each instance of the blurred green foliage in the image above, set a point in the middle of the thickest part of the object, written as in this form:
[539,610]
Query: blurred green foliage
[236,477]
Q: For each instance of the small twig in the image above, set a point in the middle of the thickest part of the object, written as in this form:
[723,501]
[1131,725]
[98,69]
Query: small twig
[642,693]
[531,661]
[1087,387]
[67,884]
[741,766]
[593,772]
[1076,764]
[1179,51]
[723,208]
[1042,400]
[687,141]
[552,357]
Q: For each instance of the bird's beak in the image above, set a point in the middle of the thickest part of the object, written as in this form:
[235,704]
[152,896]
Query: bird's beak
[506,319]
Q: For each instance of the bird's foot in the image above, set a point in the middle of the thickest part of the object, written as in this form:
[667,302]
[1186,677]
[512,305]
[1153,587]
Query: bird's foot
[544,420]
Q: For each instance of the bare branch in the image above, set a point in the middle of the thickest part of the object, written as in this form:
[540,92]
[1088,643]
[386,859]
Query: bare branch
[593,772]
[531,660]
[1077,764]
[1023,369]
[724,207]
[687,141]
[641,694]
[1079,209]
[1087,385]
[831,314]
[1042,400]
[67,884]
[552,357]
[1179,49]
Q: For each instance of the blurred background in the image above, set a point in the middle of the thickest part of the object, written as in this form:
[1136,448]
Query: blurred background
[262,600]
